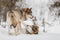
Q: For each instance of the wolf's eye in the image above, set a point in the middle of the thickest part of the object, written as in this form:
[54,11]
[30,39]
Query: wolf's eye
[11,15]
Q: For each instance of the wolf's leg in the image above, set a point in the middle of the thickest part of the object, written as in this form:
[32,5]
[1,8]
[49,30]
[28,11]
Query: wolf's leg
[15,31]
[9,29]
[19,28]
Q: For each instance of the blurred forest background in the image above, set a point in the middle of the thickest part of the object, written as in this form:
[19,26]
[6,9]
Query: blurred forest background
[6,5]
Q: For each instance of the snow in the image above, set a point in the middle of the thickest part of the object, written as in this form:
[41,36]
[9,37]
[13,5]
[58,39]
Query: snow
[42,36]
[38,6]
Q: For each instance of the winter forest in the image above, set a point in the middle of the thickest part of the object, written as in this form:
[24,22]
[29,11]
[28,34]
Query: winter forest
[29,19]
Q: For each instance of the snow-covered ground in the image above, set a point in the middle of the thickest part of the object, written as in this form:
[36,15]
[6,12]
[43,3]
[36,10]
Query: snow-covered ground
[41,36]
